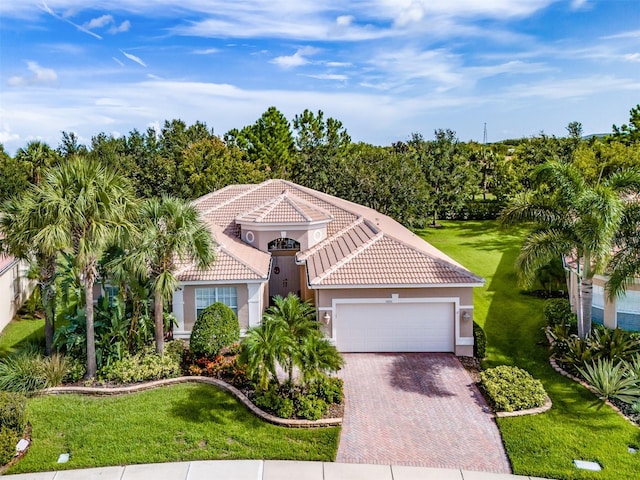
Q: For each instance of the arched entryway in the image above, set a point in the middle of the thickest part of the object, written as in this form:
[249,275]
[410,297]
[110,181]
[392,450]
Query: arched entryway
[285,274]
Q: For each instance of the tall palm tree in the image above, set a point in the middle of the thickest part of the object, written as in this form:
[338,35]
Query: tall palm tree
[171,233]
[37,156]
[571,218]
[20,224]
[86,208]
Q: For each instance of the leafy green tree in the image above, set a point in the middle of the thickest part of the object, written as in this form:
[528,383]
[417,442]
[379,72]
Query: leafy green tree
[629,133]
[571,218]
[13,175]
[385,180]
[320,148]
[448,177]
[171,233]
[70,146]
[210,164]
[84,207]
[268,142]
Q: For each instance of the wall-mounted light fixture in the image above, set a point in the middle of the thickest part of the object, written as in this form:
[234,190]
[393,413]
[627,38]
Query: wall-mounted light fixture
[326,318]
[466,316]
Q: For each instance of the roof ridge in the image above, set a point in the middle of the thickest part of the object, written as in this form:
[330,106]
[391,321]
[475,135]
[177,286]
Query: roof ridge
[318,246]
[296,207]
[233,199]
[441,261]
[349,257]
[269,205]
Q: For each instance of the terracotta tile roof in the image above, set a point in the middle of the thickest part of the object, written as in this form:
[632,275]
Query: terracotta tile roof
[285,208]
[363,247]
[235,260]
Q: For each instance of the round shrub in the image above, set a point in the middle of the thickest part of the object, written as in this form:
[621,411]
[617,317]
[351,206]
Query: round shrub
[215,328]
[511,389]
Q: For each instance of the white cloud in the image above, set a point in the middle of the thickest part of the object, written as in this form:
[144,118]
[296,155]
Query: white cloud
[206,51]
[344,20]
[297,59]
[578,4]
[632,57]
[134,58]
[38,75]
[118,61]
[329,76]
[99,22]
[124,27]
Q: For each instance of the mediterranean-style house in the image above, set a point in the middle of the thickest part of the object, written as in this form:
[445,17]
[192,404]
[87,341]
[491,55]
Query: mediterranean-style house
[622,312]
[377,286]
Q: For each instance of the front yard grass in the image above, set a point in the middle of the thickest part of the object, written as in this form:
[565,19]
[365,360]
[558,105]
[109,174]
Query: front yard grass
[542,445]
[176,423]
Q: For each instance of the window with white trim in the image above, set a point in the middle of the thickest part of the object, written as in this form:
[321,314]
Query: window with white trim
[209,296]
[111,292]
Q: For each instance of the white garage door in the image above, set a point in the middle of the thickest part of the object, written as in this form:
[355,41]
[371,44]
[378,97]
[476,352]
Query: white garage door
[395,327]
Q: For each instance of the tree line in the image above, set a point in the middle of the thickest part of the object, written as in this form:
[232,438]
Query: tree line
[416,181]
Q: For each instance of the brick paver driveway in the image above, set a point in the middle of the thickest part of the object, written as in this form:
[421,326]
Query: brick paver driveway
[419,409]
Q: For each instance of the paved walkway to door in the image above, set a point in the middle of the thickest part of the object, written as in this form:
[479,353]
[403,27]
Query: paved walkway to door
[417,409]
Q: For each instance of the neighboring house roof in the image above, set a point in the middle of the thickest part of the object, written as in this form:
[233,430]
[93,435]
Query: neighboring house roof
[6,261]
[363,247]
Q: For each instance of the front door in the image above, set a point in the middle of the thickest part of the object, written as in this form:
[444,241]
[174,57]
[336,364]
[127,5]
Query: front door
[285,274]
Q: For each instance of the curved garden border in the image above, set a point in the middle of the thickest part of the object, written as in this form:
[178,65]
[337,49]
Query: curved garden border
[530,411]
[106,391]
[554,364]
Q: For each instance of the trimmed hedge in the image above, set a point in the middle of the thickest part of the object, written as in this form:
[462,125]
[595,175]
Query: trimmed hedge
[479,342]
[215,328]
[12,423]
[511,389]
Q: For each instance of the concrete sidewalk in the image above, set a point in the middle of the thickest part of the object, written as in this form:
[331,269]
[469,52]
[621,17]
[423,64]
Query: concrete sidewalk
[264,470]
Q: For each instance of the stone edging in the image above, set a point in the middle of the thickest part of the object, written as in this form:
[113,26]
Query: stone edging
[106,391]
[530,411]
[554,364]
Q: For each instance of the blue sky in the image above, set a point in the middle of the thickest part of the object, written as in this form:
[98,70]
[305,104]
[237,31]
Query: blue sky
[385,68]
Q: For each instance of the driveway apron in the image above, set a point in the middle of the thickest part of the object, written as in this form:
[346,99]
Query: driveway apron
[418,409]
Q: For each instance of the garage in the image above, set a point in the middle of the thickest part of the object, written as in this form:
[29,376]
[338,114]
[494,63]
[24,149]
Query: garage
[395,327]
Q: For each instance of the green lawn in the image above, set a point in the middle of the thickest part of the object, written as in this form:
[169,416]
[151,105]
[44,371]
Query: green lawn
[542,445]
[177,423]
[21,330]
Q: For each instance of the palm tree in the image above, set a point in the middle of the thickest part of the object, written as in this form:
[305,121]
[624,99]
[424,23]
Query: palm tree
[20,224]
[295,321]
[172,233]
[84,207]
[571,218]
[261,351]
[37,156]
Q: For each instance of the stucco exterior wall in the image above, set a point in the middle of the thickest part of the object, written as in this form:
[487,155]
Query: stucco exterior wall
[10,300]
[306,235]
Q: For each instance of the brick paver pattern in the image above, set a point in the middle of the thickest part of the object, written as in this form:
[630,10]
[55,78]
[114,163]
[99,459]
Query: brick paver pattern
[417,409]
